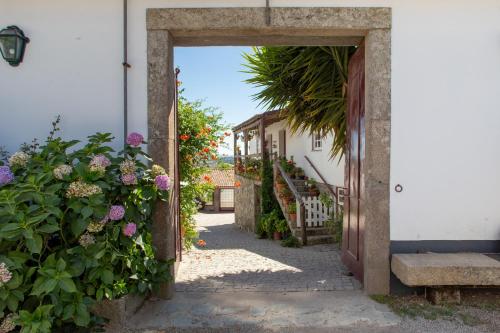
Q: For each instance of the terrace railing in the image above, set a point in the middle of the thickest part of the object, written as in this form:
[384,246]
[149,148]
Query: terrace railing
[301,209]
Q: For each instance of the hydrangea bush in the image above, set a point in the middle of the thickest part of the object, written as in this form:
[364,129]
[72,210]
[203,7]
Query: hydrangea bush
[75,229]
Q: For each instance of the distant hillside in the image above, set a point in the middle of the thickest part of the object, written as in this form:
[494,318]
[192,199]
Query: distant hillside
[223,159]
[227,159]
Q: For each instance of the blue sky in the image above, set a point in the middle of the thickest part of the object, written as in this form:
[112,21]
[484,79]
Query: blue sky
[213,74]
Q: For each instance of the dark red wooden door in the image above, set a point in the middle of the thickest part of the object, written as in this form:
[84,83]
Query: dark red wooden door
[352,240]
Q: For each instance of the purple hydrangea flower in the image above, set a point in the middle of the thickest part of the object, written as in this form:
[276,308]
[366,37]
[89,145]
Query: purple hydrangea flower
[135,139]
[116,212]
[129,229]
[162,182]
[6,175]
[129,179]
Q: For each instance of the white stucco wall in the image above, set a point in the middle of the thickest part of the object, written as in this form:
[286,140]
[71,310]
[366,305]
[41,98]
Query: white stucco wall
[299,145]
[445,96]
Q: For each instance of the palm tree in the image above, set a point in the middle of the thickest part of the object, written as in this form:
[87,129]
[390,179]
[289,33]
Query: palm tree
[308,84]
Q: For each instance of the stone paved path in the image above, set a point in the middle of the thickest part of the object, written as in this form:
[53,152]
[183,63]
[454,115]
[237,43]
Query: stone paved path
[235,260]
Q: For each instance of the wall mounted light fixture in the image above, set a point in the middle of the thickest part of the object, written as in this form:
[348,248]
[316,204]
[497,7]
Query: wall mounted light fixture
[12,44]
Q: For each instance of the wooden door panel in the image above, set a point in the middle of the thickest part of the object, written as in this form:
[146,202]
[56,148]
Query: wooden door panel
[352,241]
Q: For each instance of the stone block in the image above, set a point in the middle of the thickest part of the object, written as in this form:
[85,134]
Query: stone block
[446,269]
[119,310]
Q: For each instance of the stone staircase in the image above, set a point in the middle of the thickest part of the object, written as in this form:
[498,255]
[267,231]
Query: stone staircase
[315,235]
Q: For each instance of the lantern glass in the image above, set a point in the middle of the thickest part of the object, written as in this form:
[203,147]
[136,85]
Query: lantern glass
[8,47]
[12,45]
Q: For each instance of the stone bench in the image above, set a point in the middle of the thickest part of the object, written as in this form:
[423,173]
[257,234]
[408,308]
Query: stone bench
[444,273]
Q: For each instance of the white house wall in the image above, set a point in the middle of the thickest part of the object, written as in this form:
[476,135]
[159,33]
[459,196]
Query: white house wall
[300,145]
[445,96]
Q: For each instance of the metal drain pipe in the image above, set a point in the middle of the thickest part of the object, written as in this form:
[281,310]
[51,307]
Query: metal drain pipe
[126,66]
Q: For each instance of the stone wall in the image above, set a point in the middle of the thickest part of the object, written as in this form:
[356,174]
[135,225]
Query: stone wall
[247,203]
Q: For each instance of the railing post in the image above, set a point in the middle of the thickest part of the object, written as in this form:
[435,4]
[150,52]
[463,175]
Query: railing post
[302,209]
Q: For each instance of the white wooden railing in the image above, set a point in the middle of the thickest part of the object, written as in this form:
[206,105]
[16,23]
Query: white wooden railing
[316,212]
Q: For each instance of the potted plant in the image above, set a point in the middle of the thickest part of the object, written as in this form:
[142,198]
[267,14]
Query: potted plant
[286,195]
[292,173]
[281,229]
[299,173]
[313,189]
[276,235]
[292,211]
[280,183]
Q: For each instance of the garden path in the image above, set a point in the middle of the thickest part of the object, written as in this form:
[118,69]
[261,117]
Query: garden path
[235,260]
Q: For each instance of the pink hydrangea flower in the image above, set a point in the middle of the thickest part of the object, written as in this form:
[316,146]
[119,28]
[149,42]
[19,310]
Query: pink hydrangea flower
[116,212]
[135,139]
[162,182]
[129,179]
[129,229]
[101,160]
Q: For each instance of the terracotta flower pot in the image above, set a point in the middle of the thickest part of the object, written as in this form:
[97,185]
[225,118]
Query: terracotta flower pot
[293,217]
[277,235]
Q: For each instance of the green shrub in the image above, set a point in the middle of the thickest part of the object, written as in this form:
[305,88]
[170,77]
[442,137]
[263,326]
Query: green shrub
[268,201]
[291,241]
[335,227]
[270,222]
[75,228]
[260,228]
[201,132]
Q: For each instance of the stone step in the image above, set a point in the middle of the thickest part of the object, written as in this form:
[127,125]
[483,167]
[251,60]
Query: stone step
[315,240]
[262,312]
[313,231]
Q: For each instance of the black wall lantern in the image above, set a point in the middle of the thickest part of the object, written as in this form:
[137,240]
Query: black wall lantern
[12,44]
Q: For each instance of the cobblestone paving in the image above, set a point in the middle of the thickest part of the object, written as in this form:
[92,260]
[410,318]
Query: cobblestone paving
[235,260]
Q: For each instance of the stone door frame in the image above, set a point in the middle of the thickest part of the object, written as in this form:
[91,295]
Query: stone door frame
[170,27]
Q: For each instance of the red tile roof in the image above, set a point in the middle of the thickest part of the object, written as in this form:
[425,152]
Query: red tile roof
[221,178]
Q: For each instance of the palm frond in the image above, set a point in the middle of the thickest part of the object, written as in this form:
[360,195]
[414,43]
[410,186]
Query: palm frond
[307,83]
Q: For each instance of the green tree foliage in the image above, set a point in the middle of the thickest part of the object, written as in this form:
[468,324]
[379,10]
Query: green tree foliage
[309,85]
[201,132]
[268,200]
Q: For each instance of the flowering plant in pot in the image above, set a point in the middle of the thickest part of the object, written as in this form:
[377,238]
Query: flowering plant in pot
[292,211]
[287,165]
[75,226]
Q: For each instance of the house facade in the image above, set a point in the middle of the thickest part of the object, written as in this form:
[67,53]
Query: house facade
[222,197]
[268,136]
[433,76]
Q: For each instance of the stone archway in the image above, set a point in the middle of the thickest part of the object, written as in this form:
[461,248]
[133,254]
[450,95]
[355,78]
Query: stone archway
[170,27]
